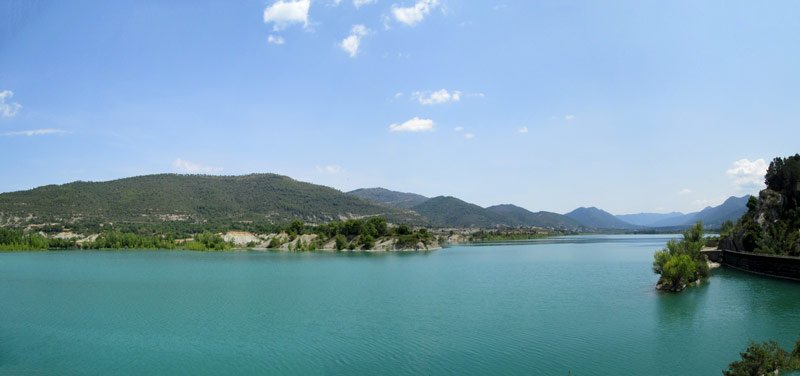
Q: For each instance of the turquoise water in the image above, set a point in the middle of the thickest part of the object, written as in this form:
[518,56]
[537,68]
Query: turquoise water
[584,305]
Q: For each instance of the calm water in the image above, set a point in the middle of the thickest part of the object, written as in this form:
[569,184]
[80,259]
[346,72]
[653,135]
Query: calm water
[579,304]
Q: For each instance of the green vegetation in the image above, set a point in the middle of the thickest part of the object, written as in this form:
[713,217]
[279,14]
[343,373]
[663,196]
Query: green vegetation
[184,204]
[771,224]
[361,234]
[508,235]
[350,234]
[11,240]
[682,263]
[17,240]
[765,358]
[384,196]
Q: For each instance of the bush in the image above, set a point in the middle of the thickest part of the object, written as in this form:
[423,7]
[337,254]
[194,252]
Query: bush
[274,243]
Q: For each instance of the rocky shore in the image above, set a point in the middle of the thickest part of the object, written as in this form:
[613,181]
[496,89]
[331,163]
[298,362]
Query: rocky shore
[283,241]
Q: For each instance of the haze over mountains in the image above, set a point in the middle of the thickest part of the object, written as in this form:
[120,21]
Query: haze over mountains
[270,198]
[451,211]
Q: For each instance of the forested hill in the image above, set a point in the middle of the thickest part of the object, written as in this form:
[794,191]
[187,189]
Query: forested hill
[384,196]
[188,198]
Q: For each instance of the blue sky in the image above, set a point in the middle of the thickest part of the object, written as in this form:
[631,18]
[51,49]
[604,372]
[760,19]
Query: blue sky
[628,106]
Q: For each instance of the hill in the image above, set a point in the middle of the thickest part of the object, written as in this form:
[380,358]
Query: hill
[446,211]
[595,218]
[265,198]
[516,216]
[392,198]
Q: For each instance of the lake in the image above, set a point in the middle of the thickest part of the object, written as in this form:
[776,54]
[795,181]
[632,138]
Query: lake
[582,304]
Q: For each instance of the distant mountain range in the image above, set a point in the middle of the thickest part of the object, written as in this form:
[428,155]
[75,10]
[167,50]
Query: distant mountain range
[731,209]
[712,217]
[270,198]
[446,211]
[648,219]
[595,218]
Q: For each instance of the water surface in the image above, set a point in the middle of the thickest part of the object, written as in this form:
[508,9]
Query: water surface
[583,304]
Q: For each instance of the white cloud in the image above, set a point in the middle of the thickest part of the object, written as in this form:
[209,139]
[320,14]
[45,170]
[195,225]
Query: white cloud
[684,191]
[330,169]
[458,129]
[469,136]
[283,13]
[413,125]
[34,132]
[748,175]
[8,109]
[275,39]
[194,168]
[360,3]
[352,42]
[437,97]
[523,130]
[414,14]
[569,117]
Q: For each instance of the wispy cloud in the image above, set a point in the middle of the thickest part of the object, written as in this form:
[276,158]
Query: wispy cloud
[183,165]
[329,169]
[360,3]
[413,125]
[522,130]
[748,175]
[569,117]
[9,109]
[34,132]
[352,42]
[436,97]
[469,136]
[458,129]
[414,14]
[275,39]
[283,13]
[684,191]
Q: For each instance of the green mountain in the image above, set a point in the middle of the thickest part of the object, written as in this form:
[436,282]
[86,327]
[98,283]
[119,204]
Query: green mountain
[266,198]
[516,216]
[446,211]
[595,218]
[392,198]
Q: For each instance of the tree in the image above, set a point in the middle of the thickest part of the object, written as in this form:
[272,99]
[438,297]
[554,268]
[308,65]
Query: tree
[682,262]
[761,359]
[380,226]
[403,229]
[367,241]
[296,227]
[341,242]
